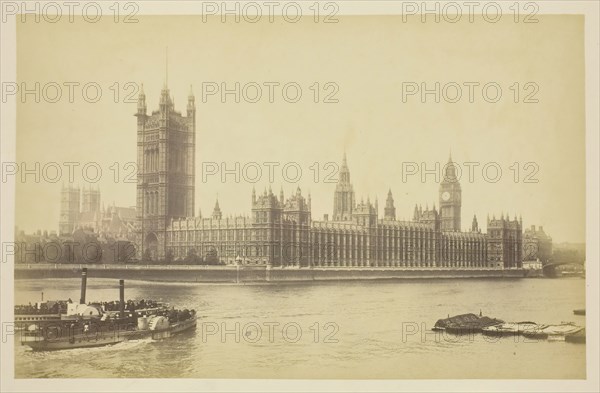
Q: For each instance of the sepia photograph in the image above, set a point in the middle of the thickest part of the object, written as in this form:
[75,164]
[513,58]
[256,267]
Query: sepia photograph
[299,196]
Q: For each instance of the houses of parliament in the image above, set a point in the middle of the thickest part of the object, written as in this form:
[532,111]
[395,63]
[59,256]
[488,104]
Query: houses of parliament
[281,232]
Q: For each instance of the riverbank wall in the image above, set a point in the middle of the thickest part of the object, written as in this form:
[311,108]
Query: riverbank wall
[253,274]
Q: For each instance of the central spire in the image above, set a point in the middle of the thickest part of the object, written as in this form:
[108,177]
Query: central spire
[344,171]
[343,201]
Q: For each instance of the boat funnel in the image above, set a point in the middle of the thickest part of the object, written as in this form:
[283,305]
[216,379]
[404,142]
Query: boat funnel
[83,285]
[122,298]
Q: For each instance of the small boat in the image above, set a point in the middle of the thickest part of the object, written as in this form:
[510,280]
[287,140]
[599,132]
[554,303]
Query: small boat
[577,337]
[465,323]
[553,332]
[511,328]
[579,311]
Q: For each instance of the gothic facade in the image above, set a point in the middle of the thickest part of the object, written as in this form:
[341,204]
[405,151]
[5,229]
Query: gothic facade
[281,232]
[166,169]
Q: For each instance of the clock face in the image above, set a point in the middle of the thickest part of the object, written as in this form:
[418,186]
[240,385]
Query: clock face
[445,196]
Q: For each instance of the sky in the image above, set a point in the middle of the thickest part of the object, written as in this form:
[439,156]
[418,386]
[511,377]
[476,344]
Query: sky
[370,62]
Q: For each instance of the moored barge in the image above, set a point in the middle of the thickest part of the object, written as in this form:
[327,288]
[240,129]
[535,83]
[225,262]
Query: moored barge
[465,323]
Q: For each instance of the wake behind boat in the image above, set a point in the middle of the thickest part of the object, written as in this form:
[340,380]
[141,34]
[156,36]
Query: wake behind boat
[98,324]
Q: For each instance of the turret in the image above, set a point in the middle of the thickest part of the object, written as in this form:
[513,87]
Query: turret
[191,104]
[389,213]
[474,224]
[141,104]
[165,100]
[217,215]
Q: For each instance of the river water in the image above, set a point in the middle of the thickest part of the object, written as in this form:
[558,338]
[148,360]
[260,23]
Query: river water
[356,330]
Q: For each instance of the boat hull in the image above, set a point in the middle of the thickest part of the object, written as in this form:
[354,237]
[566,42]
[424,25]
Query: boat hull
[99,339]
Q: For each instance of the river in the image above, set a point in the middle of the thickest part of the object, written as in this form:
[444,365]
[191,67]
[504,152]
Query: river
[357,330]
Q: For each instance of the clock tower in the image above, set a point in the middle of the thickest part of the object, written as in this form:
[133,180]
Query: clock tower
[450,198]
